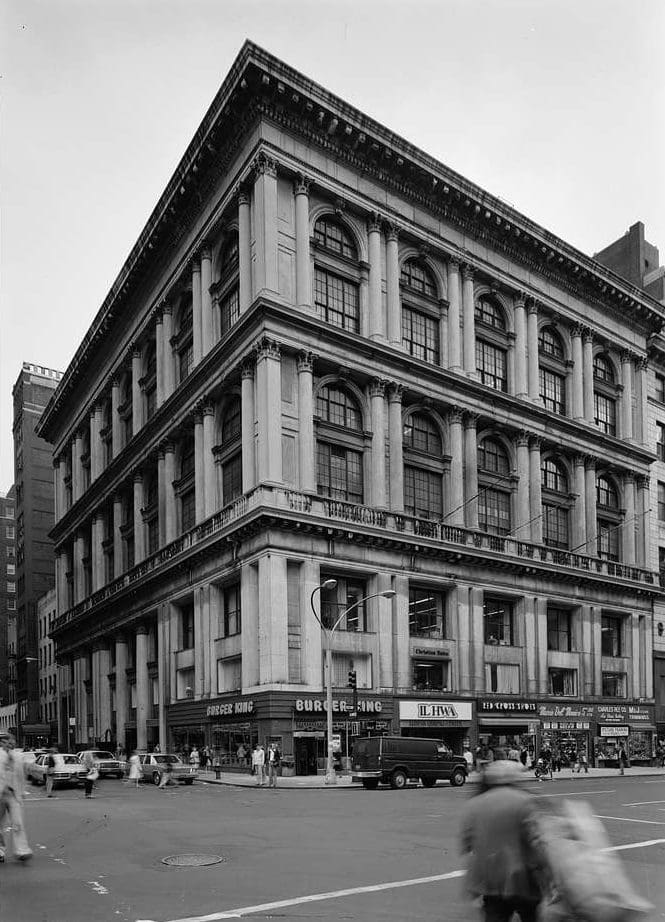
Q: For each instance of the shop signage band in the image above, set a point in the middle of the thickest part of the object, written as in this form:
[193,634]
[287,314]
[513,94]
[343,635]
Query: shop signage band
[435,710]
[230,709]
[489,706]
[320,706]
[614,731]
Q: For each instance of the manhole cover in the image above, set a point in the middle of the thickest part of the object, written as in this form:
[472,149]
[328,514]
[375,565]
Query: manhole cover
[192,861]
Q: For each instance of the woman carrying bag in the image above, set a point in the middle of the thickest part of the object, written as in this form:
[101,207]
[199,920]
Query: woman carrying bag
[92,774]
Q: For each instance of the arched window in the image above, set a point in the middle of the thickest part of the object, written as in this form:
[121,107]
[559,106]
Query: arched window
[552,371]
[336,275]
[228,290]
[184,337]
[423,475]
[231,450]
[420,312]
[604,395]
[491,343]
[555,503]
[494,494]
[608,518]
[339,446]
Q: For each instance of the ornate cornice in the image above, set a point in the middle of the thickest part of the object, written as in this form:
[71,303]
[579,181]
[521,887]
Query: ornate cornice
[267,348]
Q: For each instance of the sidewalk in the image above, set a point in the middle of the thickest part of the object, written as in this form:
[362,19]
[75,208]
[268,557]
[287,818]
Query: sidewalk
[318,782]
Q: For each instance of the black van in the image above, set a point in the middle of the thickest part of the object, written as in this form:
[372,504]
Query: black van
[394,759]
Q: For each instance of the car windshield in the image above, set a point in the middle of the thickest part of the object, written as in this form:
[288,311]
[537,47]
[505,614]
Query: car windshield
[71,760]
[166,760]
[102,755]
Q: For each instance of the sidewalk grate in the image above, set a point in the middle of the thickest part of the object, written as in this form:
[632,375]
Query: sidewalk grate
[192,861]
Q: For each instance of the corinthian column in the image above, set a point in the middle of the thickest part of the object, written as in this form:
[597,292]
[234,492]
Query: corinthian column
[471,468]
[395,430]
[455,512]
[265,223]
[137,409]
[199,487]
[116,422]
[375,313]
[139,525]
[535,492]
[392,287]
[627,396]
[303,274]
[587,362]
[469,321]
[248,417]
[628,524]
[197,316]
[244,251]
[142,687]
[206,300]
[377,391]
[159,357]
[209,481]
[532,359]
[454,361]
[306,422]
[167,351]
[579,509]
[590,501]
[269,411]
[521,389]
[523,530]
[578,373]
[643,523]
[642,400]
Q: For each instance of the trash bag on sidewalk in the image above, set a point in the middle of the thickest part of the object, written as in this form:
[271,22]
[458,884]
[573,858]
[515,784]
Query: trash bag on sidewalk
[582,880]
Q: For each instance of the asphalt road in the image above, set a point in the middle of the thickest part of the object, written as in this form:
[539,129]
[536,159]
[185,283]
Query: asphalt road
[370,853]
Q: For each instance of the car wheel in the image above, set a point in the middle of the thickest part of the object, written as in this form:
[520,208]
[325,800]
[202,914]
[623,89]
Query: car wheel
[156,777]
[119,776]
[371,784]
[458,778]
[398,779]
[428,782]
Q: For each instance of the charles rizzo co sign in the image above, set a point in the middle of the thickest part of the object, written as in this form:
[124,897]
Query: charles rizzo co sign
[435,710]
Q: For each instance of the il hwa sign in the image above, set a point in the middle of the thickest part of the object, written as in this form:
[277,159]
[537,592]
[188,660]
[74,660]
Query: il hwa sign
[435,710]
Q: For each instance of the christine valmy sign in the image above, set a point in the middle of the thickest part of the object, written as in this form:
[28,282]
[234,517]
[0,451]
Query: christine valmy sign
[435,710]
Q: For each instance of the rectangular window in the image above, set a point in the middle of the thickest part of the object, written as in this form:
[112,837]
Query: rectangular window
[229,310]
[430,675]
[11,587]
[423,494]
[346,597]
[11,569]
[502,678]
[337,300]
[610,630]
[660,388]
[558,630]
[342,663]
[187,627]
[563,682]
[229,674]
[184,685]
[555,526]
[552,391]
[661,502]
[614,685]
[608,540]
[232,620]
[339,473]
[427,614]
[605,413]
[9,531]
[660,444]
[11,604]
[494,511]
[491,365]
[232,478]
[153,535]
[420,335]
[188,510]
[186,360]
[498,621]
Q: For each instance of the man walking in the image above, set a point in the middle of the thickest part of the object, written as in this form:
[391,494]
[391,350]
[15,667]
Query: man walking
[274,759]
[11,799]
[258,762]
[495,837]
[50,769]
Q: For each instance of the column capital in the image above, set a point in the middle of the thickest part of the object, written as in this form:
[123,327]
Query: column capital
[247,366]
[305,362]
[166,446]
[643,481]
[453,264]
[374,222]
[137,476]
[196,263]
[116,379]
[205,250]
[156,314]
[587,334]
[455,415]
[627,357]
[301,184]
[120,637]
[377,387]
[208,407]
[392,231]
[264,165]
[141,629]
[641,362]
[577,329]
[519,299]
[468,272]
[535,443]
[579,460]
[470,419]
[395,392]
[532,305]
[243,193]
[267,348]
[136,351]
[522,439]
[99,646]
[166,307]
[590,461]
[627,477]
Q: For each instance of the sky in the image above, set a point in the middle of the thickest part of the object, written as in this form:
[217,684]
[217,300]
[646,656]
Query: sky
[555,106]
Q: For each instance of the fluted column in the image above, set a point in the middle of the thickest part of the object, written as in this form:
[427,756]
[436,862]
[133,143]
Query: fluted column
[471,469]
[523,528]
[521,389]
[392,287]
[532,357]
[578,373]
[167,350]
[395,439]
[363,299]
[139,526]
[627,395]
[161,496]
[116,422]
[206,300]
[245,295]
[170,516]
[62,474]
[377,390]
[455,512]
[643,522]
[79,574]
[376,330]
[248,425]
[265,224]
[197,315]
[303,273]
[642,433]
[306,422]
[137,408]
[590,500]
[579,545]
[209,484]
[587,376]
[97,552]
[95,444]
[117,535]
[269,411]
[142,687]
[101,693]
[454,354]
[77,467]
[159,358]
[468,306]
[199,476]
[628,524]
[535,492]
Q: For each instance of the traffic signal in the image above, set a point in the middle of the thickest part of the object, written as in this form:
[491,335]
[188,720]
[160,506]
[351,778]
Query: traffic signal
[352,679]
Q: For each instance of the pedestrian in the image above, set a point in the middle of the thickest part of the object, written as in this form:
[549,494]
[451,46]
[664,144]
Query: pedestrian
[135,768]
[12,778]
[156,748]
[165,778]
[50,769]
[468,756]
[495,830]
[623,759]
[92,773]
[556,759]
[194,758]
[513,754]
[274,761]
[524,755]
[582,761]
[258,763]
[241,755]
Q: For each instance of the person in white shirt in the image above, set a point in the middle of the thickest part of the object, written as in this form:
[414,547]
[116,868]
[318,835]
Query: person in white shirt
[259,761]
[11,799]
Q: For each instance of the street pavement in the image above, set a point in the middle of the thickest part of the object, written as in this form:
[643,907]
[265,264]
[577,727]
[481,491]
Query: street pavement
[340,853]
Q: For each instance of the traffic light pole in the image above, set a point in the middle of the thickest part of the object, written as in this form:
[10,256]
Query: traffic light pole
[331,777]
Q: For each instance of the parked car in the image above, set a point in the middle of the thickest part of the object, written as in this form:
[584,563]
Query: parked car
[107,763]
[68,769]
[394,760]
[28,756]
[152,765]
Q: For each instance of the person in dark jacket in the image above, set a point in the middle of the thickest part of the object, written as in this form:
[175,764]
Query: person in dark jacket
[495,831]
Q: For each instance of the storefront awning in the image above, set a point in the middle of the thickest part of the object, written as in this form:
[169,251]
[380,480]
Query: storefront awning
[506,721]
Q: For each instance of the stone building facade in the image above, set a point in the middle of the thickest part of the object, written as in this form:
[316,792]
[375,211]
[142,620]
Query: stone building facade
[329,357]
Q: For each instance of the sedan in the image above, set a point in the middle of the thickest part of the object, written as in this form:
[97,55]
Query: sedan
[107,763]
[152,767]
[68,769]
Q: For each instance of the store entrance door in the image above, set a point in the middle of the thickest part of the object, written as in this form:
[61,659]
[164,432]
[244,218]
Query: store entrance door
[305,755]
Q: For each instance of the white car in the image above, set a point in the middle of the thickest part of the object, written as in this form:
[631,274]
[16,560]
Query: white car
[107,763]
[68,769]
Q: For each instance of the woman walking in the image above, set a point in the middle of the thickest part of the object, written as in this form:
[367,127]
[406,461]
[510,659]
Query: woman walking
[92,773]
[134,768]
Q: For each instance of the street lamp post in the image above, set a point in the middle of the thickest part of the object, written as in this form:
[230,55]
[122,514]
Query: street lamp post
[331,777]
